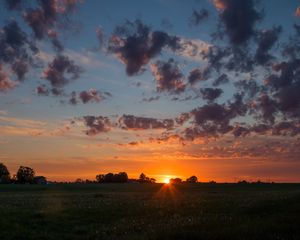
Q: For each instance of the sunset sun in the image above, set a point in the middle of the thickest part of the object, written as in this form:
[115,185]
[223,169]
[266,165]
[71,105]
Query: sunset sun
[167,180]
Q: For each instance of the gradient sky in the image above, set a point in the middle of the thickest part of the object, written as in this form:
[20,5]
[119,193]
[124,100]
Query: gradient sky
[165,87]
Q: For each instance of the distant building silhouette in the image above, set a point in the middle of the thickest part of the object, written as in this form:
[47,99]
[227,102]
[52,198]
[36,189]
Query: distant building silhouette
[40,180]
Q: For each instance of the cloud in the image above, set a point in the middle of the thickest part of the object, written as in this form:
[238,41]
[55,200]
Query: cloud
[131,122]
[16,49]
[168,76]
[47,16]
[96,125]
[42,90]
[248,87]
[20,68]
[239,18]
[284,86]
[88,96]
[198,75]
[266,40]
[61,71]
[5,83]
[222,79]
[13,4]
[135,45]
[211,94]
[151,99]
[43,18]
[213,119]
[193,49]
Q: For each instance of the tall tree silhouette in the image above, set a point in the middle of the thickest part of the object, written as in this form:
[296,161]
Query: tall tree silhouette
[4,174]
[25,175]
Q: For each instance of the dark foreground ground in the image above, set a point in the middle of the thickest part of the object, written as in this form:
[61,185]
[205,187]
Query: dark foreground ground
[150,211]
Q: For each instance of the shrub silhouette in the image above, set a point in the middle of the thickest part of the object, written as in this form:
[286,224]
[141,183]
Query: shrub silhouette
[175,180]
[192,179]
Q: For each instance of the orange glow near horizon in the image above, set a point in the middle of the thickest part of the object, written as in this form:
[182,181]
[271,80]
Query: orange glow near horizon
[167,180]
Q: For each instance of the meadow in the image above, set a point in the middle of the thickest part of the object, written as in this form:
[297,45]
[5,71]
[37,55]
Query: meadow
[150,211]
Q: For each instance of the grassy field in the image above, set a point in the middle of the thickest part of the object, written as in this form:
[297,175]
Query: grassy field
[150,211]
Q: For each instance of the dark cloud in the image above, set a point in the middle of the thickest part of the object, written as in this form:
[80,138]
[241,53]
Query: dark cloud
[284,86]
[168,76]
[209,120]
[291,49]
[96,125]
[13,4]
[20,68]
[198,16]
[61,71]
[198,75]
[238,18]
[239,60]
[249,87]
[42,18]
[88,96]
[214,56]
[221,80]
[151,99]
[183,117]
[48,15]
[14,43]
[16,49]
[266,40]
[211,94]
[282,128]
[213,119]
[73,98]
[143,123]
[240,131]
[134,44]
[267,107]
[42,90]
[91,95]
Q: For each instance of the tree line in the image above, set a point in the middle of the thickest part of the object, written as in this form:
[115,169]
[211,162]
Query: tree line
[23,175]
[27,175]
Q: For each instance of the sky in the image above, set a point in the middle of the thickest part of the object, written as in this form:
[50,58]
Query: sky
[166,87]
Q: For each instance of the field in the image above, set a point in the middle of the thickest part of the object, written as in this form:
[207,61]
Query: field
[150,211]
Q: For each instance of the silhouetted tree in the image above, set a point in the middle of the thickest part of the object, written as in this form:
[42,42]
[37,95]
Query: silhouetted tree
[242,182]
[175,180]
[144,179]
[4,174]
[192,179]
[100,178]
[79,180]
[122,177]
[152,180]
[109,178]
[25,175]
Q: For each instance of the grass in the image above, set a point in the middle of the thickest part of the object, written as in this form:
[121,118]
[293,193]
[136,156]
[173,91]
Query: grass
[150,211]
